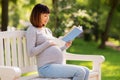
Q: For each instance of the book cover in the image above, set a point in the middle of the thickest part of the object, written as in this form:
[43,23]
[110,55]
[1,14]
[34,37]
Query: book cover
[74,32]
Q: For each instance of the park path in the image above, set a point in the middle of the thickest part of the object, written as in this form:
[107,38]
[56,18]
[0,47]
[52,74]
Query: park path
[111,44]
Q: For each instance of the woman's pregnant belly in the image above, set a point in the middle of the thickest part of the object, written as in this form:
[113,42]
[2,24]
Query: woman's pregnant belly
[52,54]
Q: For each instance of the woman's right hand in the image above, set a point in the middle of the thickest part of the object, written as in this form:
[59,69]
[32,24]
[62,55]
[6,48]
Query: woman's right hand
[51,43]
[68,44]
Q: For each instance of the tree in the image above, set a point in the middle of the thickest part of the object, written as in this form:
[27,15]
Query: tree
[55,12]
[94,10]
[60,9]
[4,15]
[104,34]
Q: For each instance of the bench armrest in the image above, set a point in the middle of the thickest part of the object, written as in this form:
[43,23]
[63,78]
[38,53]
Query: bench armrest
[96,59]
[9,73]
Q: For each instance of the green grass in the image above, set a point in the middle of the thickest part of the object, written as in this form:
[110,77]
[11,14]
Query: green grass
[111,66]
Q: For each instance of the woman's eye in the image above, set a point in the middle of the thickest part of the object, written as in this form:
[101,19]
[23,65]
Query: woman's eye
[45,15]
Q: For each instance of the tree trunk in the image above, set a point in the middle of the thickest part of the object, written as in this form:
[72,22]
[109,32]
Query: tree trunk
[96,31]
[104,35]
[55,10]
[4,15]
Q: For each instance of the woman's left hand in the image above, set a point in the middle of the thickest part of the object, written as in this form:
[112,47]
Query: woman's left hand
[68,44]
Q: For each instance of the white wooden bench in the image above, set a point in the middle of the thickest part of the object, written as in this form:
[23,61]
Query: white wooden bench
[14,60]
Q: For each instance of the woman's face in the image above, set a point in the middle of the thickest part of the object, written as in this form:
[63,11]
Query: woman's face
[44,18]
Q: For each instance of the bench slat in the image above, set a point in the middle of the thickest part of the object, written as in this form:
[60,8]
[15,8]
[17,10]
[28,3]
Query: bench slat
[14,52]
[26,59]
[1,52]
[7,52]
[20,52]
[32,61]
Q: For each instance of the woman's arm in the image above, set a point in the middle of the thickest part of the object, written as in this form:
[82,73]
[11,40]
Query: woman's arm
[32,49]
[63,45]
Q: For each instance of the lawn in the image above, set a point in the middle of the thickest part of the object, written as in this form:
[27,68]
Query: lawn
[111,66]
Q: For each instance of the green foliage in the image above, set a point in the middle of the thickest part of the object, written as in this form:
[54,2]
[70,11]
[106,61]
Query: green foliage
[13,1]
[115,27]
[60,10]
[91,14]
[0,11]
[118,8]
[70,14]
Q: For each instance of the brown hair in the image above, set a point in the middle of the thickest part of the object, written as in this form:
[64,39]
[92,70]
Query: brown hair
[36,12]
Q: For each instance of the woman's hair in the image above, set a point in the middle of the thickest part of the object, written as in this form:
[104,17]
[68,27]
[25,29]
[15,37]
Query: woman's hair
[36,12]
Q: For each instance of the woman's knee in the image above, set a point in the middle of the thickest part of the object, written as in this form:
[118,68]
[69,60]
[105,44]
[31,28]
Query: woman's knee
[86,69]
[80,72]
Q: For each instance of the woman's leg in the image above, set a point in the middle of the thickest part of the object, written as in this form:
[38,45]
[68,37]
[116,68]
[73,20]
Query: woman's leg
[87,73]
[64,71]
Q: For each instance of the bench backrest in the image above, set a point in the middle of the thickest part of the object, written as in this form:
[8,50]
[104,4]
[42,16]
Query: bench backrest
[13,51]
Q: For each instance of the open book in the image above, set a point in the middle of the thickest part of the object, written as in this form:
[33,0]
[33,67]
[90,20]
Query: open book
[71,35]
[74,32]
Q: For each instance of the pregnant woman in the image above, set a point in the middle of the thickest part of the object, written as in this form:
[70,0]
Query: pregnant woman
[41,44]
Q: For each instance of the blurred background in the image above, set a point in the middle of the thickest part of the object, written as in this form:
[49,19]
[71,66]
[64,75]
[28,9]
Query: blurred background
[100,20]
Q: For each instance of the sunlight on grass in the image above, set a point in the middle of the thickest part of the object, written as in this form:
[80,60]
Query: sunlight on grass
[110,70]
[116,42]
[30,73]
[87,64]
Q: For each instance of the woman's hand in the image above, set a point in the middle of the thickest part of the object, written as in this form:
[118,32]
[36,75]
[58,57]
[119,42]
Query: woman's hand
[68,44]
[51,43]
